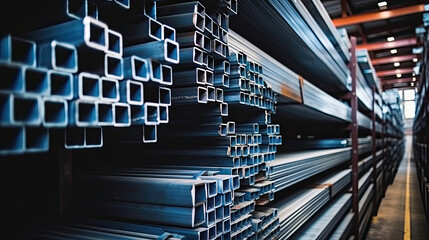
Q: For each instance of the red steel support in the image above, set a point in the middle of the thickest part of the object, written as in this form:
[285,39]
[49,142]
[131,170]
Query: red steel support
[376,16]
[389,45]
[387,60]
[374,155]
[354,137]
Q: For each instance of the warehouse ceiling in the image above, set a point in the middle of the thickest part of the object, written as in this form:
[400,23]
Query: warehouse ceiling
[387,28]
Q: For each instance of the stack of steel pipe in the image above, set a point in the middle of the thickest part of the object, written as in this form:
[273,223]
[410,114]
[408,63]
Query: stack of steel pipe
[76,75]
[193,203]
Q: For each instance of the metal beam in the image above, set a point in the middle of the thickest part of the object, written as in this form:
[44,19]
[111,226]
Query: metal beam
[388,45]
[371,17]
[393,81]
[394,71]
[385,60]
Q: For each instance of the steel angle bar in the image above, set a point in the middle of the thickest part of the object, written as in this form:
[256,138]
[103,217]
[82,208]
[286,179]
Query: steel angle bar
[88,32]
[61,84]
[168,8]
[136,68]
[36,139]
[131,92]
[109,90]
[83,113]
[159,191]
[191,39]
[16,50]
[12,78]
[191,77]
[142,29]
[58,56]
[36,81]
[189,95]
[55,112]
[165,51]
[122,113]
[155,214]
[185,22]
[12,140]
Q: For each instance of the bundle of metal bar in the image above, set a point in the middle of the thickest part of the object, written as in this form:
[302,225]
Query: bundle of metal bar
[324,222]
[336,182]
[217,201]
[296,210]
[100,229]
[26,105]
[265,223]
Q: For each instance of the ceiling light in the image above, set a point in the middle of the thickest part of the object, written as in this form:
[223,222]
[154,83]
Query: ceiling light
[390,39]
[398,75]
[412,84]
[415,59]
[414,74]
[382,4]
[393,51]
[414,79]
[396,64]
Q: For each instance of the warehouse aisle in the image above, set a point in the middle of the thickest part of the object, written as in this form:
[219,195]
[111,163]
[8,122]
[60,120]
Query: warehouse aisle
[392,215]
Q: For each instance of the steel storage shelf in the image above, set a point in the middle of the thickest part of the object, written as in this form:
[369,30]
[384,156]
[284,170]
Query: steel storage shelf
[420,128]
[293,41]
[289,86]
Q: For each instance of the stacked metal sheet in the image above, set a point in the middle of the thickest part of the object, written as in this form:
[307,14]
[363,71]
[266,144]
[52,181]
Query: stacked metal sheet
[97,229]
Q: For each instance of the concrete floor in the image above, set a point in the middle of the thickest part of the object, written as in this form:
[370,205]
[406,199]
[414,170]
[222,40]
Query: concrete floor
[389,223]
